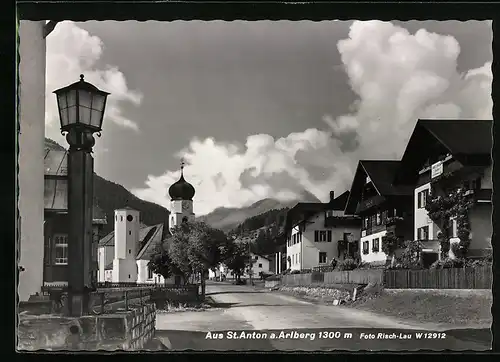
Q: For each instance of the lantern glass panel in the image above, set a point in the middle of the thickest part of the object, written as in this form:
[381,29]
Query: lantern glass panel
[72,115]
[98,102]
[71,98]
[84,115]
[95,119]
[63,114]
[61,99]
[84,98]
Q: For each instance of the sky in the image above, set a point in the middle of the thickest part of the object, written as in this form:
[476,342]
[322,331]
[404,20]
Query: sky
[265,108]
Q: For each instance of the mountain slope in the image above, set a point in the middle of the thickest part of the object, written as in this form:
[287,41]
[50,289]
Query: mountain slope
[229,218]
[111,196]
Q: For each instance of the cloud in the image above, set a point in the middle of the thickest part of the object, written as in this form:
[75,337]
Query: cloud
[72,51]
[398,78]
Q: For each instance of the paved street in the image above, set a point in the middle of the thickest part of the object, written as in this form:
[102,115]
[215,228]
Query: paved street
[299,325]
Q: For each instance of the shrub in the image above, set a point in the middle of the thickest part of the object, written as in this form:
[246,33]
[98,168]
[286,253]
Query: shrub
[455,249]
[447,264]
[477,263]
[347,264]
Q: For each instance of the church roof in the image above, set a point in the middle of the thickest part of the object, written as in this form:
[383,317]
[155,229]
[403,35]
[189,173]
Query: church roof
[149,238]
[181,190]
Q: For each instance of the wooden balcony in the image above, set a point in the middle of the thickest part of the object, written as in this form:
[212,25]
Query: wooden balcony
[369,203]
[373,229]
[336,221]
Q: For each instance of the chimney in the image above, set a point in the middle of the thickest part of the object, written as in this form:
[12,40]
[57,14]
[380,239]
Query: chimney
[332,196]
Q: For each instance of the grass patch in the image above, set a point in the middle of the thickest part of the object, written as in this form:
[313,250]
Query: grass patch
[459,308]
[175,307]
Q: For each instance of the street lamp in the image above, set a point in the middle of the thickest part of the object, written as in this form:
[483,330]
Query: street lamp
[81,111]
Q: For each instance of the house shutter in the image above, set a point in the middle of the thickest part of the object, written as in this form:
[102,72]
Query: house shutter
[316,235]
[329,236]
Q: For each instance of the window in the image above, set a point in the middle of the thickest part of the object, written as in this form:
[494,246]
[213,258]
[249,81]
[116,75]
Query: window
[150,273]
[260,265]
[300,236]
[130,232]
[130,218]
[129,276]
[378,218]
[256,257]
[61,246]
[184,219]
[422,198]
[322,235]
[366,247]
[121,218]
[322,257]
[375,245]
[423,233]
[130,251]
[329,213]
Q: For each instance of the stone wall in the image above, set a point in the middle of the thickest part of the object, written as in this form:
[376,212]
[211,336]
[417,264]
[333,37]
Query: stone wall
[121,330]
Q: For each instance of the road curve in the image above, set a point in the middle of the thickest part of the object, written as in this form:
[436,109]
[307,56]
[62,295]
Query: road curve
[286,323]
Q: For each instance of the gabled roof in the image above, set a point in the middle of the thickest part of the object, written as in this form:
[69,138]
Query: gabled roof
[304,210]
[151,241]
[149,238]
[261,256]
[381,174]
[55,162]
[468,141]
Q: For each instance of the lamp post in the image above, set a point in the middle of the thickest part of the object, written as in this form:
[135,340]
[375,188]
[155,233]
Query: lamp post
[81,111]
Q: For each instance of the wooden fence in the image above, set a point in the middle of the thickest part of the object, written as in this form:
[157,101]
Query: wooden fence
[453,278]
[362,276]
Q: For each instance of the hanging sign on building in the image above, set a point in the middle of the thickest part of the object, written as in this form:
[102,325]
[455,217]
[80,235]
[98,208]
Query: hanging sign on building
[436,169]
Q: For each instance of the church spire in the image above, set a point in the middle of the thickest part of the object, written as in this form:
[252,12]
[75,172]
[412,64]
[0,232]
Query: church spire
[182,167]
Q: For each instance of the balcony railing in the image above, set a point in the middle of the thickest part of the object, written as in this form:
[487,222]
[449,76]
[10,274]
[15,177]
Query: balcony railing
[373,229]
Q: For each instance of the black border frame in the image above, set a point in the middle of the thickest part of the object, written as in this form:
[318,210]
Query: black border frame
[81,10]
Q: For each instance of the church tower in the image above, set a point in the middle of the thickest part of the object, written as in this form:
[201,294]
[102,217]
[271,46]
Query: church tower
[181,196]
[126,239]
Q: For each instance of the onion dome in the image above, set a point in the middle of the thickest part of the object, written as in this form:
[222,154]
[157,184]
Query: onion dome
[181,190]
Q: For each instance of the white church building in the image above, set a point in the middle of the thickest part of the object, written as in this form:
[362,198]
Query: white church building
[124,253]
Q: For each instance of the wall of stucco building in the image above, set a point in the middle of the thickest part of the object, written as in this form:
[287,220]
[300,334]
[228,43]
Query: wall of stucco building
[308,250]
[373,256]
[31,109]
[421,216]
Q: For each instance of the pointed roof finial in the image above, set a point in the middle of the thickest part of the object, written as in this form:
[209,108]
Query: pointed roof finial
[81,77]
[182,166]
